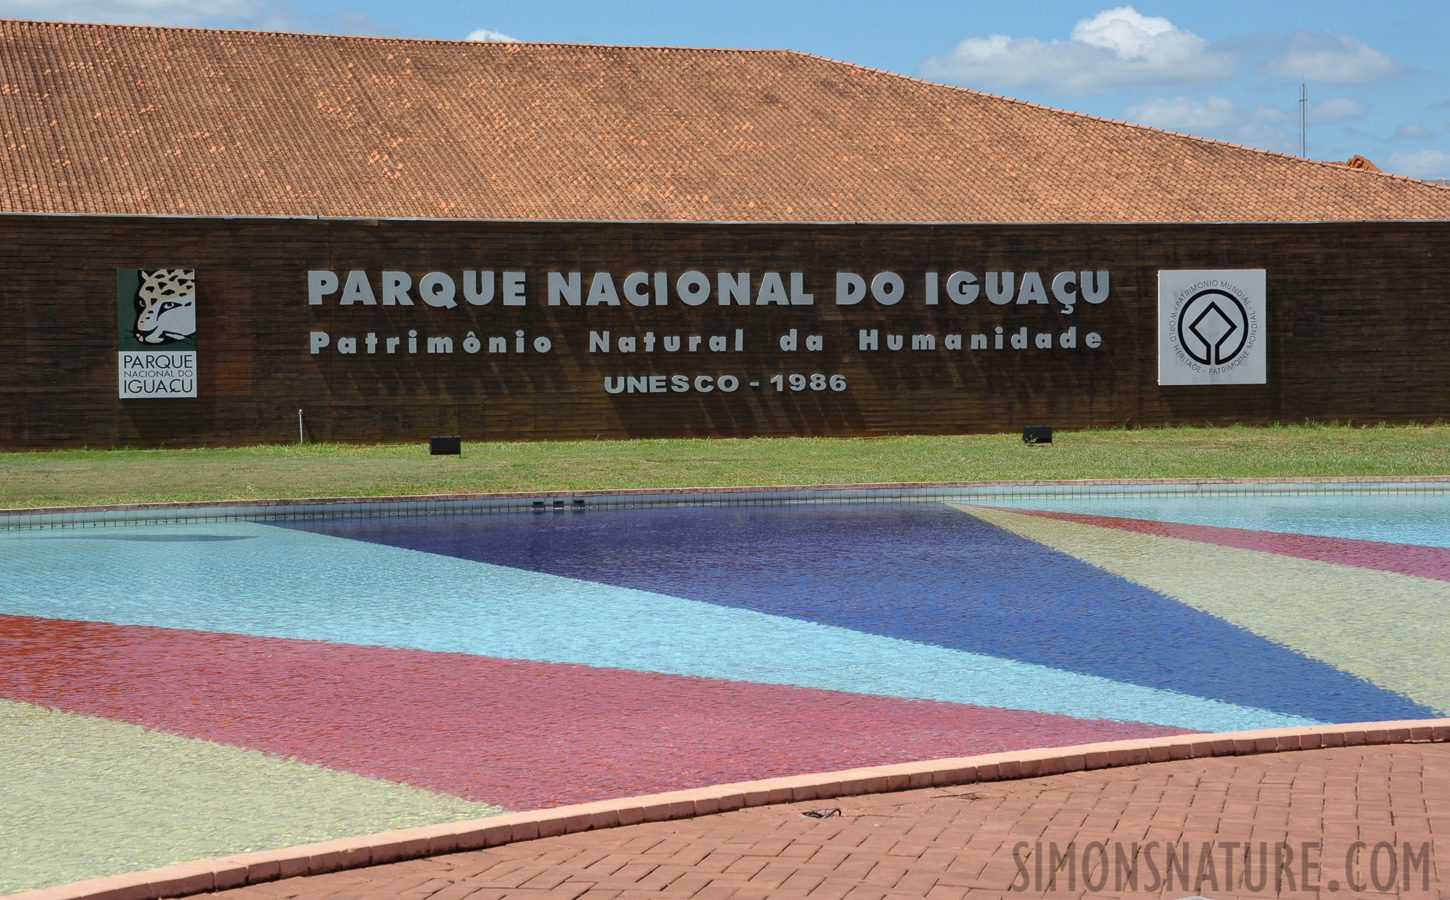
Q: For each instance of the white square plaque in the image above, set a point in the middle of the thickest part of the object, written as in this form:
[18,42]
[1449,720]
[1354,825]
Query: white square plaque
[1211,326]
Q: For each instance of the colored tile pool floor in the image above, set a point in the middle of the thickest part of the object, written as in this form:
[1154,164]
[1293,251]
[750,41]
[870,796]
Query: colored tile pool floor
[171,692]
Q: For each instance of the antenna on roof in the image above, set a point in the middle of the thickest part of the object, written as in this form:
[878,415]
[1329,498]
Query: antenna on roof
[1304,119]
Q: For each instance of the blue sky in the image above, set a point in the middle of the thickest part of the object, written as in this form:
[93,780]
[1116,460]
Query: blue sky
[1378,76]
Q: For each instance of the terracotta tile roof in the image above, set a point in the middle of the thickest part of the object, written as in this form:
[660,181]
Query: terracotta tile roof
[124,119]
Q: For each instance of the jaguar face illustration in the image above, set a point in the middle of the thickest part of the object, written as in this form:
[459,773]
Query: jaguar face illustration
[166,306]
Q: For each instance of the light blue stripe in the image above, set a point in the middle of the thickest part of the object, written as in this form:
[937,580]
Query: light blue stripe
[283,583]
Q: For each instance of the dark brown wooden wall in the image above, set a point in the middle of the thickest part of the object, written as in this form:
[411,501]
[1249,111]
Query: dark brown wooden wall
[1358,329]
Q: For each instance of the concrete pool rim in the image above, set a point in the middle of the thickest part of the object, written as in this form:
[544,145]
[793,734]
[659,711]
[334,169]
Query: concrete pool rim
[223,873]
[559,501]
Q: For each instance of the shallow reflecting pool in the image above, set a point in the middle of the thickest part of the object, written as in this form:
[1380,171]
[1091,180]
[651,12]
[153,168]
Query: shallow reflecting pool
[186,690]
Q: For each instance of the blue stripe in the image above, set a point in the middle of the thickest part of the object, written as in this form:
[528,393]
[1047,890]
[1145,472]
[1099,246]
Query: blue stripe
[918,572]
[282,583]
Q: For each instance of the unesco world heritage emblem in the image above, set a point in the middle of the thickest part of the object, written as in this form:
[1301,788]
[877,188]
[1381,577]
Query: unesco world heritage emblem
[156,332]
[1211,327]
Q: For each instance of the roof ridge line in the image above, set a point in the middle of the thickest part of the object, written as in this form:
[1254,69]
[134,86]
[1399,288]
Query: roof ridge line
[323,35]
[1119,122]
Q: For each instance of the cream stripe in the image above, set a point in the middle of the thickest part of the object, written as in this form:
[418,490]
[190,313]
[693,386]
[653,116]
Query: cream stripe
[1387,628]
[82,797]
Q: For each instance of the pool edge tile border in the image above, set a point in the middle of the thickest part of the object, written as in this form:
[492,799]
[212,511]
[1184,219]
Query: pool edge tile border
[544,501]
[225,872]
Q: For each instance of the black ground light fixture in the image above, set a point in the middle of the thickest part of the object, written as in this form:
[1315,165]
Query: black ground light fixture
[1037,434]
[447,445]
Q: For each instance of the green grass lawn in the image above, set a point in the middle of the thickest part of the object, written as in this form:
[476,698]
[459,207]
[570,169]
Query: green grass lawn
[76,477]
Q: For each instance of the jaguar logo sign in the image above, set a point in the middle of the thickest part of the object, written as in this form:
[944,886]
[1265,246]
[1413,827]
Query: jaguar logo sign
[156,332]
[1211,327]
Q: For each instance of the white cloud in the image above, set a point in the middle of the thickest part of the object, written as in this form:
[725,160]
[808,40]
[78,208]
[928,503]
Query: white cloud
[1188,114]
[1419,163]
[1332,59]
[1413,131]
[484,34]
[1116,50]
[1219,118]
[1267,127]
[140,12]
[1335,109]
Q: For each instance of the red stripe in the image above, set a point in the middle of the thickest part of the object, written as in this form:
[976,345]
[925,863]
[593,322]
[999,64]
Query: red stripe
[1406,559]
[518,733]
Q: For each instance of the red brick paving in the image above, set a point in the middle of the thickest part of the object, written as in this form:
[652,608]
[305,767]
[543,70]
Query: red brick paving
[953,843]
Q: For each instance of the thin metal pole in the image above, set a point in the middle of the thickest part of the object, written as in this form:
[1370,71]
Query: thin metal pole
[1304,121]
[299,427]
